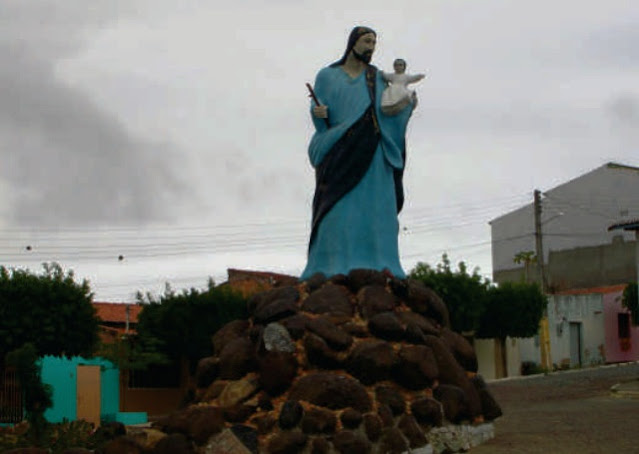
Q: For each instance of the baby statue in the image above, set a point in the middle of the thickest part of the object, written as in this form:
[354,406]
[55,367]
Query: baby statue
[397,95]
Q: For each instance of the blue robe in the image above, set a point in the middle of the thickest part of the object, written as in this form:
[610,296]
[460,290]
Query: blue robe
[361,229]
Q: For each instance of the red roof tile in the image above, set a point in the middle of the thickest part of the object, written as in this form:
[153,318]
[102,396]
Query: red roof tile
[586,291]
[116,312]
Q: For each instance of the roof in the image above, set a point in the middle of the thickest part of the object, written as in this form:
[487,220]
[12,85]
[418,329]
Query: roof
[599,290]
[632,224]
[116,312]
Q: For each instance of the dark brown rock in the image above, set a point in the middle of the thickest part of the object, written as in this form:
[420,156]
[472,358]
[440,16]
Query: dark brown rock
[426,326]
[386,326]
[288,442]
[330,298]
[291,414]
[388,395]
[173,444]
[119,445]
[288,294]
[392,441]
[450,372]
[385,415]
[274,311]
[351,418]
[237,359]
[277,371]
[197,422]
[427,412]
[74,451]
[264,423]
[214,390]
[315,282]
[411,430]
[320,446]
[320,354]
[361,277]
[231,331]
[238,412]
[247,435]
[264,402]
[416,368]
[425,301]
[296,325]
[453,401]
[371,361]
[373,426]
[335,337]
[414,335]
[489,406]
[374,299]
[207,371]
[331,391]
[348,442]
[319,421]
[339,279]
[462,350]
[355,329]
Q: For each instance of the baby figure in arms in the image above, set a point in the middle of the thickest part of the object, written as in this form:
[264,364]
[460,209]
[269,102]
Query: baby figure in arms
[397,95]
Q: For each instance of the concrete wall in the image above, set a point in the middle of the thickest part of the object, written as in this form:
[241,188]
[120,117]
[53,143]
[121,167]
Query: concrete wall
[614,345]
[587,310]
[575,214]
[61,374]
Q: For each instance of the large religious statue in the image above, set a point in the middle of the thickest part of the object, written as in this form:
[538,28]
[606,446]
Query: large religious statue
[358,154]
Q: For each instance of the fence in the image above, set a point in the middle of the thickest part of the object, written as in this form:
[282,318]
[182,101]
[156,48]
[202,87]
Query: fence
[11,398]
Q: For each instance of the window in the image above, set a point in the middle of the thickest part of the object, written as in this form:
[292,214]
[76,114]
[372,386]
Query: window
[623,323]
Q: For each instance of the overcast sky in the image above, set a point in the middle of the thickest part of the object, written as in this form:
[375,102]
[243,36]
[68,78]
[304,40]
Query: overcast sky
[174,133]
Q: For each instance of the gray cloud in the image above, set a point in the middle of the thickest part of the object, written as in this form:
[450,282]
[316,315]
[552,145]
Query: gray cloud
[65,160]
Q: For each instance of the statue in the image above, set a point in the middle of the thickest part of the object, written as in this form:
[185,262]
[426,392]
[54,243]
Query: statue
[358,154]
[397,96]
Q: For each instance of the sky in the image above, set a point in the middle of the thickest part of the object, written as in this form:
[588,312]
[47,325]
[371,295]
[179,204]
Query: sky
[153,141]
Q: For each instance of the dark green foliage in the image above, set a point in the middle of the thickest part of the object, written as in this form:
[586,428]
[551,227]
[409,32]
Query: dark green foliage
[37,396]
[183,324]
[464,294]
[512,310]
[630,300]
[49,310]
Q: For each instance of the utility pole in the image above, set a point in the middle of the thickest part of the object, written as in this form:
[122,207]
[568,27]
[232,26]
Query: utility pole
[544,335]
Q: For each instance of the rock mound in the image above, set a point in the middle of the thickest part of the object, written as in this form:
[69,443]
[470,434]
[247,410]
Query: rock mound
[363,363]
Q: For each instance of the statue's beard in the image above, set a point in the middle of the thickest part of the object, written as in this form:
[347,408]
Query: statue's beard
[364,57]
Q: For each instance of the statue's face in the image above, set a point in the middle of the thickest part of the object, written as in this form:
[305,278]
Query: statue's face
[399,67]
[364,47]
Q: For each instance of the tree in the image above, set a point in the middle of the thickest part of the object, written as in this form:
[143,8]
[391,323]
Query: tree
[527,258]
[512,310]
[49,310]
[182,324]
[630,300]
[464,294]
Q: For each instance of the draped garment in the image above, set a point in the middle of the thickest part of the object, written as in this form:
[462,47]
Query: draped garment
[360,228]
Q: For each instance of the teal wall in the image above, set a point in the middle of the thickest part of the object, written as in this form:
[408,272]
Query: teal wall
[60,373]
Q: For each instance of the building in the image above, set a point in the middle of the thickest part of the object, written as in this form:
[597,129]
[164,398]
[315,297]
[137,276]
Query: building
[578,248]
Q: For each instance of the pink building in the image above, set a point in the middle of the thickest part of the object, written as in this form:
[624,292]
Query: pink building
[622,339]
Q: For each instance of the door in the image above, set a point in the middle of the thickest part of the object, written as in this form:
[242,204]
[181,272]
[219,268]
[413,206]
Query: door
[88,394]
[575,344]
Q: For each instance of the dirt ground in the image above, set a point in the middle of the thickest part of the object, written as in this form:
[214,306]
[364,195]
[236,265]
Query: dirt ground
[567,412]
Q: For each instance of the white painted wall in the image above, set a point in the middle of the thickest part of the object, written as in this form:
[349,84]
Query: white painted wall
[574,214]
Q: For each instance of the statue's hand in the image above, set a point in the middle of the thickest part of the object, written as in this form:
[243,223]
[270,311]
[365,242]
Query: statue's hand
[320,111]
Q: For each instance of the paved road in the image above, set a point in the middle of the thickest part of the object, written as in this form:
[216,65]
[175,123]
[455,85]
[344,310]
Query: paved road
[566,413]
